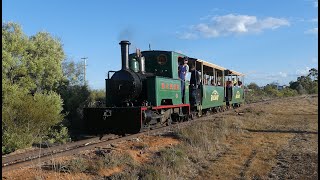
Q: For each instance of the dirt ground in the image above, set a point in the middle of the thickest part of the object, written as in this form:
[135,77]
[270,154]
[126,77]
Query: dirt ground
[277,140]
[139,149]
[280,142]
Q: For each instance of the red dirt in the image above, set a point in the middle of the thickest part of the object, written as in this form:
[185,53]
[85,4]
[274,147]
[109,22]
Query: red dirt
[140,149]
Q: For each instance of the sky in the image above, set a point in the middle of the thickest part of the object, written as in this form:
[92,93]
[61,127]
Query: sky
[269,41]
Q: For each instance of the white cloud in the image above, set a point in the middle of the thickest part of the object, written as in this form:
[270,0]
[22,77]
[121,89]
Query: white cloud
[271,23]
[179,51]
[314,60]
[263,76]
[206,30]
[232,25]
[300,72]
[282,74]
[276,76]
[312,31]
[314,20]
[187,35]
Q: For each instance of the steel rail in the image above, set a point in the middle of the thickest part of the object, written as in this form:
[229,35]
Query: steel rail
[51,150]
[45,157]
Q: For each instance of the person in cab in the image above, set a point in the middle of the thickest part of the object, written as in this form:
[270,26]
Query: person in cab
[183,70]
[194,84]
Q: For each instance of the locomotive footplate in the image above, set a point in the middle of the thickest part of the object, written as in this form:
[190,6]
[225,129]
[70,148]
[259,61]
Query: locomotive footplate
[112,120]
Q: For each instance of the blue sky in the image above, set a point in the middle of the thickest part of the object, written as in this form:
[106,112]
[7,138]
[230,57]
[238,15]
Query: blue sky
[269,41]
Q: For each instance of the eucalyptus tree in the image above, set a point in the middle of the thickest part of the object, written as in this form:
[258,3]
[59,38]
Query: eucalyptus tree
[31,73]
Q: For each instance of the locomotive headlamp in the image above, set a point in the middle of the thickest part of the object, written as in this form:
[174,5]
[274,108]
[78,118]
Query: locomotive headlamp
[162,59]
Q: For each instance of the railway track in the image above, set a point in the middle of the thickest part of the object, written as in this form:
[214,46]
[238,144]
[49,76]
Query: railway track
[41,155]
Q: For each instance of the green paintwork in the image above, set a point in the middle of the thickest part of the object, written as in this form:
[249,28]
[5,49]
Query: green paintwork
[162,63]
[212,96]
[187,92]
[134,65]
[159,89]
[237,95]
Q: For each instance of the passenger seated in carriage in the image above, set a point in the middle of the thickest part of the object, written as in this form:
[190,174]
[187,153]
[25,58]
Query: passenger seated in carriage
[228,83]
[212,82]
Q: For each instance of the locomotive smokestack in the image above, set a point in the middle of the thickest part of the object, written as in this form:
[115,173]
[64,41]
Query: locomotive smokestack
[125,54]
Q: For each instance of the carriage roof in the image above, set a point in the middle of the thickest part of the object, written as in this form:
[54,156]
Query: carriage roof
[208,64]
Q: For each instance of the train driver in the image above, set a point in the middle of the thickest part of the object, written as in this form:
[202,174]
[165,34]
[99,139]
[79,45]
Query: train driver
[183,70]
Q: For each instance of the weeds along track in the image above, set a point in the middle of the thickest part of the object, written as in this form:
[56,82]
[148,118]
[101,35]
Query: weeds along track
[41,155]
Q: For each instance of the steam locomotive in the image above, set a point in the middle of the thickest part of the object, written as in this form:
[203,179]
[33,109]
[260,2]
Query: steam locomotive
[147,92]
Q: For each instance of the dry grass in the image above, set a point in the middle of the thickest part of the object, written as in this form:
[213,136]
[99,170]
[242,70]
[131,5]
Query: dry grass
[200,143]
[234,146]
[295,114]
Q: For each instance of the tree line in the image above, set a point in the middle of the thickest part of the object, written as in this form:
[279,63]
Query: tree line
[305,84]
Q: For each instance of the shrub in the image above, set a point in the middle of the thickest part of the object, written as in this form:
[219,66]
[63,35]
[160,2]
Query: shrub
[289,92]
[58,134]
[150,172]
[97,98]
[172,158]
[27,118]
[314,90]
[78,165]
[31,71]
[116,159]
[74,98]
[195,137]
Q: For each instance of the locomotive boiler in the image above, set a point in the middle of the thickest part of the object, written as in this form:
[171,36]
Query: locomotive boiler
[126,86]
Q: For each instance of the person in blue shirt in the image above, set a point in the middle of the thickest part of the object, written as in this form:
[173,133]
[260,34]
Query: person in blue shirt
[183,70]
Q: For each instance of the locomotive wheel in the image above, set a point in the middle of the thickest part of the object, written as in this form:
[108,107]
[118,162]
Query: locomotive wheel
[191,116]
[214,110]
[146,127]
[186,118]
[169,121]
